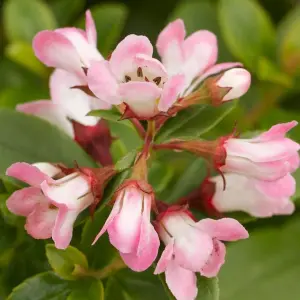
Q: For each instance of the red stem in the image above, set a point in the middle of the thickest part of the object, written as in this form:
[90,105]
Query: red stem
[139,127]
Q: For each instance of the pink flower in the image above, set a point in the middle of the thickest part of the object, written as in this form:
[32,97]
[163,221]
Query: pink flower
[67,103]
[195,57]
[193,247]
[50,206]
[132,76]
[256,197]
[130,229]
[270,156]
[70,49]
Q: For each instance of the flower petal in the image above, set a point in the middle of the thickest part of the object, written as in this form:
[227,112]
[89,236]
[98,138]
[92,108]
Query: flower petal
[141,97]
[169,46]
[172,88]
[215,262]
[67,191]
[238,79]
[90,28]
[225,229]
[122,57]
[50,112]
[24,201]
[55,50]
[200,52]
[40,222]
[63,229]
[27,173]
[102,82]
[47,168]
[181,282]
[75,103]
[165,258]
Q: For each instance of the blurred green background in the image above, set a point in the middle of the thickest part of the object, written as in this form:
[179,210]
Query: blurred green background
[264,35]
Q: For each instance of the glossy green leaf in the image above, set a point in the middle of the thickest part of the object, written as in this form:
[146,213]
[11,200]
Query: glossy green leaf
[193,122]
[63,262]
[21,26]
[18,50]
[199,15]
[288,42]
[43,286]
[160,175]
[66,11]
[208,288]
[102,253]
[268,261]
[129,285]
[126,161]
[87,288]
[247,30]
[17,133]
[109,19]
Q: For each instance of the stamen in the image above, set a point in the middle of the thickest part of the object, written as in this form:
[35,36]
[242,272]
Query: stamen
[146,79]
[157,80]
[139,72]
[127,78]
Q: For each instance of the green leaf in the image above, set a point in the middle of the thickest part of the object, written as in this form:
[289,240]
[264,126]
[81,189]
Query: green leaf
[129,285]
[19,50]
[43,286]
[190,179]
[126,161]
[22,26]
[160,176]
[265,266]
[30,139]
[63,262]
[102,253]
[208,288]
[66,10]
[87,288]
[247,30]
[109,19]
[288,42]
[296,175]
[193,122]
[201,15]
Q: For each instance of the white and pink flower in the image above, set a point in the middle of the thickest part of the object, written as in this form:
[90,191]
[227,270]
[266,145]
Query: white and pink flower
[270,156]
[258,198]
[193,247]
[50,206]
[129,227]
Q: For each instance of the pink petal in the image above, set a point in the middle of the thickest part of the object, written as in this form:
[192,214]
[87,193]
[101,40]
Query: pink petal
[172,34]
[122,57]
[217,259]
[181,282]
[24,201]
[40,222]
[50,112]
[171,91]
[276,132]
[141,97]
[48,169]
[63,229]
[200,52]
[287,209]
[67,191]
[225,229]
[102,82]
[27,173]
[87,52]
[55,50]
[90,28]
[75,103]
[115,211]
[238,79]
[165,258]
[124,230]
[283,187]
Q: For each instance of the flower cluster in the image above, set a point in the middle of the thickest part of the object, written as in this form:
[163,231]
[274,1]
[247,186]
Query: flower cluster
[142,88]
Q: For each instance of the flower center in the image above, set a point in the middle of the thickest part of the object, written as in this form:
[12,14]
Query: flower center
[144,75]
